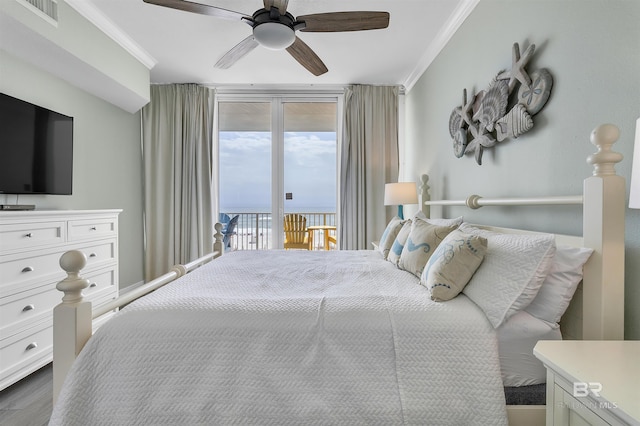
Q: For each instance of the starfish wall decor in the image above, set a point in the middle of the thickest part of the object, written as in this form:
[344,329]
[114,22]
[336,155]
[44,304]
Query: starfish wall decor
[482,120]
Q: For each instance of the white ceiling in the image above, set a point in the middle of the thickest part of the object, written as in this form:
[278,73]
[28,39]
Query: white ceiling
[185,46]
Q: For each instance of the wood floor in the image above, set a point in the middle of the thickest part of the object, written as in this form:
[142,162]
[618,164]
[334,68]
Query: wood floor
[29,401]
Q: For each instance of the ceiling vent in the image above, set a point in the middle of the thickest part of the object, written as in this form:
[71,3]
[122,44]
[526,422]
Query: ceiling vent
[47,7]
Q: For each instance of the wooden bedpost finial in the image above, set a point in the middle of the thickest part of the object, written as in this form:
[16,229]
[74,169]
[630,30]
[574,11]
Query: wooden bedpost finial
[604,161]
[424,195]
[72,262]
[424,185]
[218,244]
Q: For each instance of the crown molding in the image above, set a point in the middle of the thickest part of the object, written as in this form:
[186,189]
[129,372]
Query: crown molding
[462,11]
[89,11]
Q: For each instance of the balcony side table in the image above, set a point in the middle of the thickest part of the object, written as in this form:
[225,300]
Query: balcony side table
[325,230]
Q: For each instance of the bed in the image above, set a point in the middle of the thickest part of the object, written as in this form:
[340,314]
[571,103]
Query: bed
[339,337]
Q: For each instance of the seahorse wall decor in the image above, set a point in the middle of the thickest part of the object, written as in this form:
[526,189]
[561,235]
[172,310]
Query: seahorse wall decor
[500,111]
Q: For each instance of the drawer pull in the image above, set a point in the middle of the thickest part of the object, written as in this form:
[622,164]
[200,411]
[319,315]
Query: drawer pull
[93,228]
[28,308]
[93,285]
[29,235]
[93,255]
[27,269]
[31,345]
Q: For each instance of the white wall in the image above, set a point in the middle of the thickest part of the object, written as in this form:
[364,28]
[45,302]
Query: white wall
[591,47]
[107,170]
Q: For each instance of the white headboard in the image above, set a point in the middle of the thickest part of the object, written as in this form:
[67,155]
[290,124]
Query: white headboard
[597,310]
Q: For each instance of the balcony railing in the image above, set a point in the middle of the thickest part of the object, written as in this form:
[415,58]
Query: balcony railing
[253,231]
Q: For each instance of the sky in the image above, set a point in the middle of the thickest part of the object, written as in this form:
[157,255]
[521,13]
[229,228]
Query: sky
[245,171]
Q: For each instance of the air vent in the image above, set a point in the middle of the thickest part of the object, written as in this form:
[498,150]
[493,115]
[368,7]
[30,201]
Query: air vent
[48,7]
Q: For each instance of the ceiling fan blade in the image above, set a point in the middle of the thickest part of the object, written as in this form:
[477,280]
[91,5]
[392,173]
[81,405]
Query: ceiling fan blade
[344,21]
[202,9]
[237,52]
[280,4]
[307,57]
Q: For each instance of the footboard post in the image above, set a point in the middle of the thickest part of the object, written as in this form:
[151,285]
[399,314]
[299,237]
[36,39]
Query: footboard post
[71,318]
[218,245]
[603,222]
[424,195]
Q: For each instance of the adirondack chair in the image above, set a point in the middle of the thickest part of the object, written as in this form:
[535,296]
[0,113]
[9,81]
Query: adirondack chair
[296,234]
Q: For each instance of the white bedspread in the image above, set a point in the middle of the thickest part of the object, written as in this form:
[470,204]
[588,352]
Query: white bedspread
[275,337]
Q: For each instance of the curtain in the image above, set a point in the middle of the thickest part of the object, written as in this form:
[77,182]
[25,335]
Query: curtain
[177,129]
[369,159]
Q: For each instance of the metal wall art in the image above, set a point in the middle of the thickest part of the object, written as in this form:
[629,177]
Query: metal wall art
[500,111]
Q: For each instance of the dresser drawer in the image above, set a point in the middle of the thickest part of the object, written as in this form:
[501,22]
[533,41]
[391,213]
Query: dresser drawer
[22,270]
[99,253]
[16,236]
[92,228]
[27,269]
[102,283]
[28,347]
[22,310]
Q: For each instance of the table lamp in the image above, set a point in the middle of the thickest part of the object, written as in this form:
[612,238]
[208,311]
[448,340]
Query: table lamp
[634,188]
[399,194]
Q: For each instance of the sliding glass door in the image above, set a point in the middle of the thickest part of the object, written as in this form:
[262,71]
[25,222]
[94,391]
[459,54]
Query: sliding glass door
[310,144]
[277,156]
[245,147]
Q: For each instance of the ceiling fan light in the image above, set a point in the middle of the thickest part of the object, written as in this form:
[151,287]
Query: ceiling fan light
[274,35]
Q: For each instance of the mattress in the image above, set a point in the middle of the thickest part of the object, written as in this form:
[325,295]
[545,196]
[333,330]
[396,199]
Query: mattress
[279,337]
[516,339]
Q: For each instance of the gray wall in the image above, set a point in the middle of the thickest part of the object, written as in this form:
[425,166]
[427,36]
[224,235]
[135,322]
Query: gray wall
[107,170]
[592,50]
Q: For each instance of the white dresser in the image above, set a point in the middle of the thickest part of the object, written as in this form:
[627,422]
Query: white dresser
[31,244]
[591,382]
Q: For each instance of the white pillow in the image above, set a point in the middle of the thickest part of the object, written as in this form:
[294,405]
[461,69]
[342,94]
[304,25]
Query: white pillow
[441,222]
[398,244]
[513,269]
[389,235]
[453,264]
[421,243]
[558,288]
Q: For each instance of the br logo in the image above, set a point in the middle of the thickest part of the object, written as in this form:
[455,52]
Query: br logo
[582,389]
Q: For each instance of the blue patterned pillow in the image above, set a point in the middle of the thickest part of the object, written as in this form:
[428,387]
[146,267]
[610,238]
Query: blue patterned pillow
[398,244]
[421,243]
[389,235]
[453,264]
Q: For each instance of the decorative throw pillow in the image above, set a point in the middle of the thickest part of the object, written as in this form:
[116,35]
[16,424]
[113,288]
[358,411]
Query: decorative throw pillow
[421,243]
[453,264]
[441,222]
[514,267]
[558,288]
[389,235]
[398,244]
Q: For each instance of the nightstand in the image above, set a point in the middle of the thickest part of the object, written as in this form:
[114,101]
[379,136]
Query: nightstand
[591,382]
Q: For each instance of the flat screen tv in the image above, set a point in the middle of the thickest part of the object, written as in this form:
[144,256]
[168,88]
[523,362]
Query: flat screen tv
[36,149]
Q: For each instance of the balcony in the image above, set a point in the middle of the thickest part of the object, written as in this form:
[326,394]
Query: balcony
[253,231]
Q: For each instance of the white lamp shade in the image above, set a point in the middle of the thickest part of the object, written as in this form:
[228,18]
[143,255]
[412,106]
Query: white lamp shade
[396,194]
[634,194]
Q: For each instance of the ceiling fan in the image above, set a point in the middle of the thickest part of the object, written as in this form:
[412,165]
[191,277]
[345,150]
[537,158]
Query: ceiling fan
[274,28]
